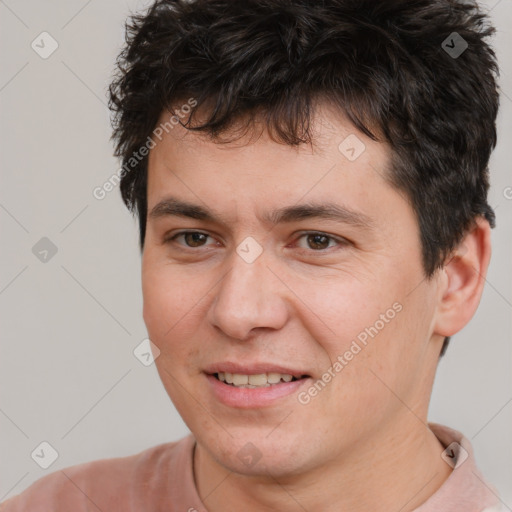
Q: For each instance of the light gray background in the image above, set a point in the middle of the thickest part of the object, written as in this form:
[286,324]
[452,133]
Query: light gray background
[70,325]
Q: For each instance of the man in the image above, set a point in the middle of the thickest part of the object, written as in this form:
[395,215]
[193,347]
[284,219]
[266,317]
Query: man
[311,185]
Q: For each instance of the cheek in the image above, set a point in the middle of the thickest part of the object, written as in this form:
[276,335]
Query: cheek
[366,330]
[387,369]
[341,310]
[168,299]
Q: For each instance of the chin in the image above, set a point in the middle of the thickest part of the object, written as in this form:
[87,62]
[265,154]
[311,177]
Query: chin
[257,452]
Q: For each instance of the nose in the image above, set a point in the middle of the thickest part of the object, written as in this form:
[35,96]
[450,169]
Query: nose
[249,297]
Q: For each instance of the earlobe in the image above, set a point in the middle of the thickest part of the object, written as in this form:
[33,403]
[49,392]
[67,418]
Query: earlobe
[464,279]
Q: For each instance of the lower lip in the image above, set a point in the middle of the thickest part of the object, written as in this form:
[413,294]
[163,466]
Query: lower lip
[248,398]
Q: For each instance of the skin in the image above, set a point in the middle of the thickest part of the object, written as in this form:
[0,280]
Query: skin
[363,442]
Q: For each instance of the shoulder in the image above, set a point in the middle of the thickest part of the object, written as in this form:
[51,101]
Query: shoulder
[106,484]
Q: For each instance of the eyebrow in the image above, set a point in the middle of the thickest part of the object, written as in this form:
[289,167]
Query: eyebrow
[171,206]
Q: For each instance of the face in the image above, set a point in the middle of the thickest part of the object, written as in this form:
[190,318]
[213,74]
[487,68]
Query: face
[261,258]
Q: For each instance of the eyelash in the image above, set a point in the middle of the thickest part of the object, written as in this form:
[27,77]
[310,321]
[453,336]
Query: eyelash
[339,241]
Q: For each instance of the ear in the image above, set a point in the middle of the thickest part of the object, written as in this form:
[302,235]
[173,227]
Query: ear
[463,279]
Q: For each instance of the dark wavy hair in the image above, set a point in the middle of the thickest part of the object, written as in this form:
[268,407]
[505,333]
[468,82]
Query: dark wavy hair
[386,65]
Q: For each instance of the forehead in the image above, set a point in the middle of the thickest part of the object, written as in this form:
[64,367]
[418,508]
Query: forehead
[248,159]
[337,150]
[327,121]
[333,140]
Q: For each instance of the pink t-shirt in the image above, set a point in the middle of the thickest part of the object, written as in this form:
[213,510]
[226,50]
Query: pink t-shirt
[161,479]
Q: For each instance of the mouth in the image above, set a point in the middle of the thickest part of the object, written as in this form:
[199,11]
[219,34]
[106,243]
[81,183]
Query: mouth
[256,384]
[253,381]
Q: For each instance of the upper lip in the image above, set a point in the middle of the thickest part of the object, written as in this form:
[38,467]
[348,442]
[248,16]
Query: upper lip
[252,369]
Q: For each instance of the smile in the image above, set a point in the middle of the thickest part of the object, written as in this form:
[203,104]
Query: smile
[260,380]
[269,388]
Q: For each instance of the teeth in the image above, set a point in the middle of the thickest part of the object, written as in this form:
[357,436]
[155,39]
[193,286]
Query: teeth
[240,380]
[258,380]
[273,378]
[254,381]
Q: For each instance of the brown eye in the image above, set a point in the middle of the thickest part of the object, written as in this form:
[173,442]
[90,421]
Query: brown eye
[318,241]
[190,239]
[195,239]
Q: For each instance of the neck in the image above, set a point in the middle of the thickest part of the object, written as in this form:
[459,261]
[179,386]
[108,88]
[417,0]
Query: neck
[396,470]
